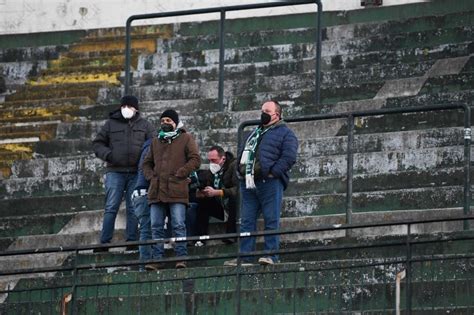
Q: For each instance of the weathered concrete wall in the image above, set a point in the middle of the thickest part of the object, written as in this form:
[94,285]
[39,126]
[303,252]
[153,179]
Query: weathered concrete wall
[31,16]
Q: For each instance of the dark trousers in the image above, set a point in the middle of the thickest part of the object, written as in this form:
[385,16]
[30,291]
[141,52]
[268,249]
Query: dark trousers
[208,207]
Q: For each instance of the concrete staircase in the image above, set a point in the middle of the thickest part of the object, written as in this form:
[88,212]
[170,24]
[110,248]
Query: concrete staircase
[51,189]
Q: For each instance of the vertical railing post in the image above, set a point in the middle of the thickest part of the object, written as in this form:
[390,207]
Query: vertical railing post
[350,166]
[74,283]
[220,99]
[127,55]
[467,164]
[318,53]
[408,273]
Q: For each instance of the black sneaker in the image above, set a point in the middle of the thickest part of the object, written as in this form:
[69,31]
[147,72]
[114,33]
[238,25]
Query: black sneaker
[228,241]
[100,250]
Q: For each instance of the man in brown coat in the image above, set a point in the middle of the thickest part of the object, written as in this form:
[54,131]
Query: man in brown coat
[168,164]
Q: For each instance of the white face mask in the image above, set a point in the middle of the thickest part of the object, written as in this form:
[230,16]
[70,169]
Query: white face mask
[127,112]
[214,168]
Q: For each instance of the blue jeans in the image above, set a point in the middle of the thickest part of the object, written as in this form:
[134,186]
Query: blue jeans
[191,219]
[116,186]
[265,199]
[142,211]
[178,224]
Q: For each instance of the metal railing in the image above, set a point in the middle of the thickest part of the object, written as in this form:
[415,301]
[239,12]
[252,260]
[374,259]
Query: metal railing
[222,11]
[72,287]
[350,116]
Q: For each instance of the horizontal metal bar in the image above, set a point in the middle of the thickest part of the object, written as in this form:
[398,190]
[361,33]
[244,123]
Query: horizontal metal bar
[218,9]
[251,254]
[333,227]
[375,112]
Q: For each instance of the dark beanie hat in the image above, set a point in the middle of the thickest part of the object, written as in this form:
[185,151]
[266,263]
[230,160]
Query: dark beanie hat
[171,113]
[129,100]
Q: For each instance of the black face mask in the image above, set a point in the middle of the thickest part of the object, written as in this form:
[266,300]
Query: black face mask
[265,118]
[166,127]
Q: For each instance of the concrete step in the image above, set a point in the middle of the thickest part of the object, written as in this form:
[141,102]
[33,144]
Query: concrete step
[51,204]
[302,185]
[62,148]
[144,43]
[295,34]
[74,182]
[31,53]
[101,54]
[156,69]
[70,63]
[11,114]
[296,49]
[56,166]
[387,17]
[33,225]
[66,90]
[33,118]
[82,69]
[386,200]
[330,276]
[317,145]
[136,31]
[46,103]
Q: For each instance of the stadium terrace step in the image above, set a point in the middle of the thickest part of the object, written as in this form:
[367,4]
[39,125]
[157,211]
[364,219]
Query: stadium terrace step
[330,270]
[389,14]
[136,31]
[453,82]
[250,101]
[33,225]
[13,113]
[61,147]
[8,130]
[365,74]
[157,70]
[51,204]
[459,97]
[89,69]
[100,54]
[44,103]
[25,54]
[306,185]
[66,90]
[298,33]
[61,229]
[287,49]
[35,120]
[65,62]
[77,78]
[386,200]
[54,186]
[146,44]
[21,137]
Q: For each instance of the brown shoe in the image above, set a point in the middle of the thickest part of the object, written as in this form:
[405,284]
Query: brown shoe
[180,265]
[153,267]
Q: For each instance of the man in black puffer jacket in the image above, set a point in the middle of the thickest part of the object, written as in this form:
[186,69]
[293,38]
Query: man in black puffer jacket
[119,143]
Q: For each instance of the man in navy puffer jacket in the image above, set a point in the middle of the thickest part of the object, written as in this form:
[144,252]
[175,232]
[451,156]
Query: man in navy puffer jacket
[264,162]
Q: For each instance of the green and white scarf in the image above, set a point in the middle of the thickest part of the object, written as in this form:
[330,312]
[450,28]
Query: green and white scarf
[248,156]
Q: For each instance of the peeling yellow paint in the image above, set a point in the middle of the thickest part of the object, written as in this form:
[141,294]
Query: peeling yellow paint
[5,171]
[148,45]
[111,78]
[17,147]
